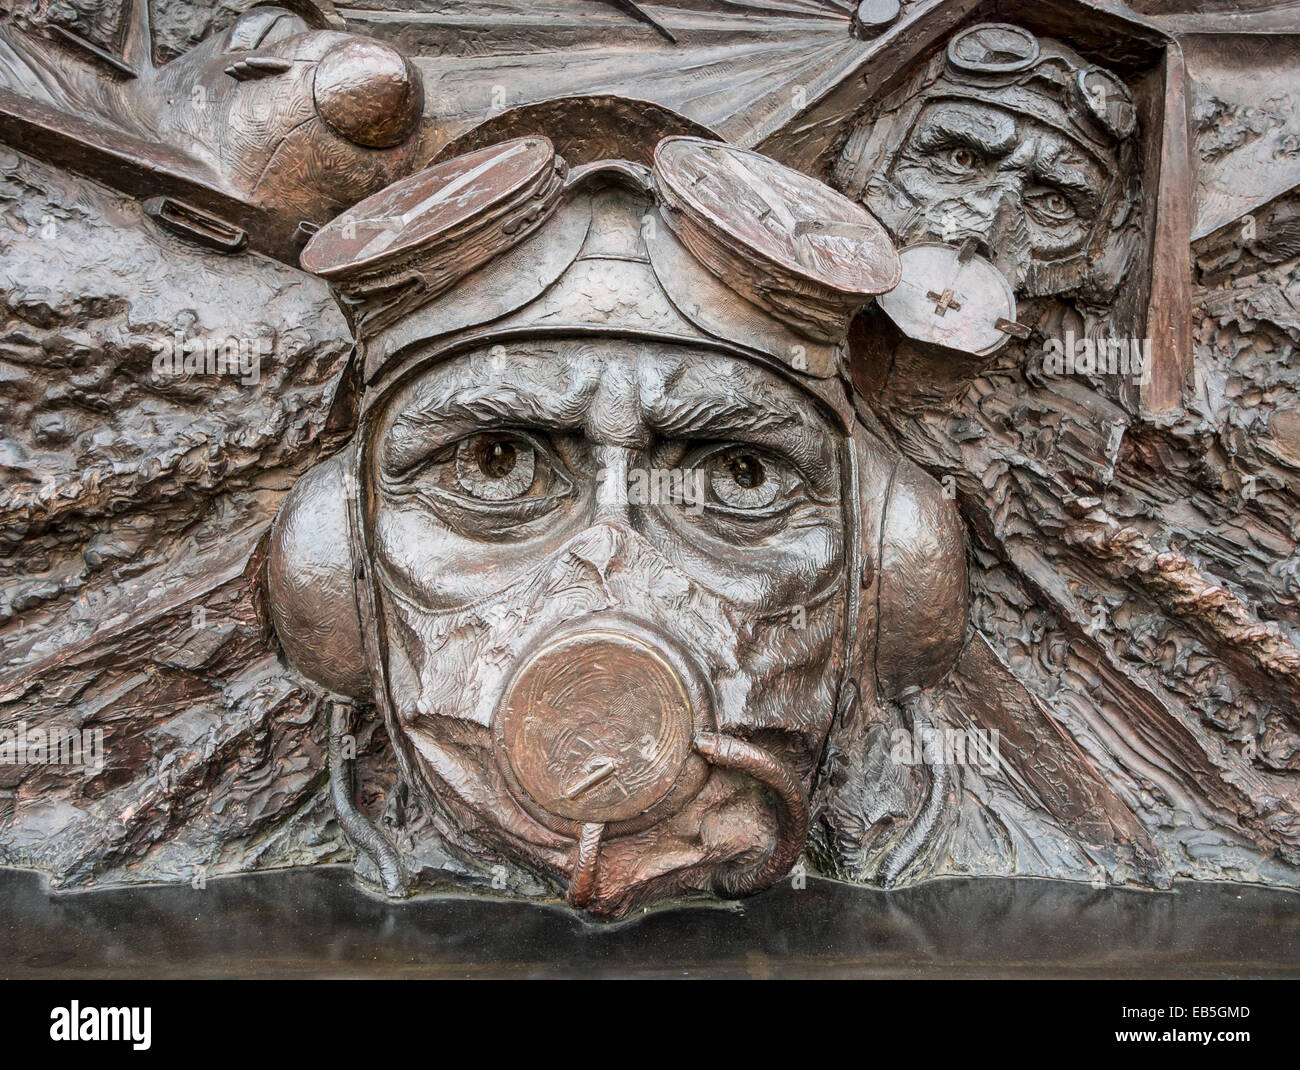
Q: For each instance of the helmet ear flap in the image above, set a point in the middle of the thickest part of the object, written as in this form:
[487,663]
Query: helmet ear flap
[915,547]
[923,596]
[309,581]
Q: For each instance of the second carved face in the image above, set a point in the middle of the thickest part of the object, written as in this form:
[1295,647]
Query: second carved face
[1021,189]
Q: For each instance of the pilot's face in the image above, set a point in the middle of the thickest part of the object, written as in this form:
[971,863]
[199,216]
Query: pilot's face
[1021,189]
[589,558]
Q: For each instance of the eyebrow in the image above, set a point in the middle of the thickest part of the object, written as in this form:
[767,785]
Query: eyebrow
[670,414]
[1074,179]
[683,412]
[691,401]
[787,425]
[434,419]
[960,126]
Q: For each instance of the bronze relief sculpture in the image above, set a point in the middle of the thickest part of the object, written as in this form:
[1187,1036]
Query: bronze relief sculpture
[660,474]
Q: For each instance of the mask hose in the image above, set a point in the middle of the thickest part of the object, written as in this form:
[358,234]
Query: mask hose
[729,752]
[582,886]
[920,833]
[361,832]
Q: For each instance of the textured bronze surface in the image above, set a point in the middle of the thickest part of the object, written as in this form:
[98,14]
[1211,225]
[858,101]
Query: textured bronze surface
[507,446]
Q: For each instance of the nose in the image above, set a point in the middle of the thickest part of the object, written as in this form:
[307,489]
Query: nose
[990,203]
[613,464]
[1009,234]
[996,227]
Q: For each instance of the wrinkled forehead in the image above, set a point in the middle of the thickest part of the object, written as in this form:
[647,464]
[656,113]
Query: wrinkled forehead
[619,392]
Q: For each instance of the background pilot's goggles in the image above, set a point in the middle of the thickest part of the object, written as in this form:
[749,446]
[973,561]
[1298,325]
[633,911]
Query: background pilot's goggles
[995,62]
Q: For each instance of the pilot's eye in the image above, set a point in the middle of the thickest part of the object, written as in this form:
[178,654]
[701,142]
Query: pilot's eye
[495,467]
[964,159]
[948,161]
[490,484]
[741,479]
[1050,205]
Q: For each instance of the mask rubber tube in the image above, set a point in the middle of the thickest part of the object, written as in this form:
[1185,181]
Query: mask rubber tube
[729,752]
[583,883]
[726,752]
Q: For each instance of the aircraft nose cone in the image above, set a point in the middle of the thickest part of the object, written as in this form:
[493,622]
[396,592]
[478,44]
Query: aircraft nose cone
[370,93]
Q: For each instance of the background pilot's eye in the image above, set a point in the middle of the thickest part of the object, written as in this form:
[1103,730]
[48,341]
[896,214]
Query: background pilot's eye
[962,158]
[495,467]
[1050,205]
[741,479]
[960,161]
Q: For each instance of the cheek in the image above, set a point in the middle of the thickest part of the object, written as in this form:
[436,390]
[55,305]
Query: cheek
[789,675]
[443,569]
[1057,241]
[770,577]
[809,562]
[436,567]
